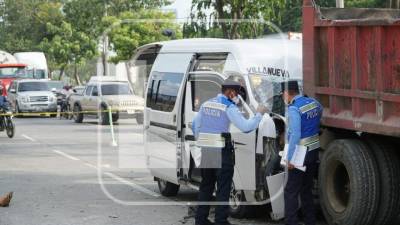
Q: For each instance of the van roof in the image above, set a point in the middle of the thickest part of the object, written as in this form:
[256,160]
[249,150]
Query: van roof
[252,55]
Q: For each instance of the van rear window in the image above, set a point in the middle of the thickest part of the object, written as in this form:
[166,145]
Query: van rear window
[163,91]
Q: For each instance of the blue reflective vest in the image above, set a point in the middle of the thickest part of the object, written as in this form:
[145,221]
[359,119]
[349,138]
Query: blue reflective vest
[214,119]
[310,112]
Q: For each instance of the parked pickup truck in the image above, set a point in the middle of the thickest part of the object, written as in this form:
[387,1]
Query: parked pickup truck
[104,93]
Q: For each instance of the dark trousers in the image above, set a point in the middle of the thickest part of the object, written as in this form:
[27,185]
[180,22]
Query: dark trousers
[223,177]
[301,184]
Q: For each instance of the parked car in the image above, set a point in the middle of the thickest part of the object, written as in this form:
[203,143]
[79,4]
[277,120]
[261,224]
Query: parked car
[30,95]
[104,93]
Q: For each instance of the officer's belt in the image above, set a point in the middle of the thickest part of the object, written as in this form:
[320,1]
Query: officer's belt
[212,140]
[311,143]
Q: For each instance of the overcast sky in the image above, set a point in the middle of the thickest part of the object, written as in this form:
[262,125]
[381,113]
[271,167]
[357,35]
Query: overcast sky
[182,7]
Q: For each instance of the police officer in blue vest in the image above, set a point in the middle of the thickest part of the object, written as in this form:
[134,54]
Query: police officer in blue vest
[304,115]
[211,128]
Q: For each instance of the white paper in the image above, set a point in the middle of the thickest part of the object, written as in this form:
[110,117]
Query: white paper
[298,157]
[196,154]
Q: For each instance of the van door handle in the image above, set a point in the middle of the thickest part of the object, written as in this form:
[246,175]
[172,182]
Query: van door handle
[239,143]
[146,127]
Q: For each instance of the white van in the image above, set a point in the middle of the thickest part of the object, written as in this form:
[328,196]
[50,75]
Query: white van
[185,74]
[37,64]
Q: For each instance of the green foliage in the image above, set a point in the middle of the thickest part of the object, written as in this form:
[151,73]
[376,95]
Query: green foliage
[243,18]
[286,14]
[69,31]
[131,30]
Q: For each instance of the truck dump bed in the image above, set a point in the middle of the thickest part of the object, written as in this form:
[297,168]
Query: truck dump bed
[351,64]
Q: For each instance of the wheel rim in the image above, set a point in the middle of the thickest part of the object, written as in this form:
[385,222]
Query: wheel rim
[338,186]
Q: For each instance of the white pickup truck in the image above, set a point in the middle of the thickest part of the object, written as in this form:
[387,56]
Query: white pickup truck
[104,93]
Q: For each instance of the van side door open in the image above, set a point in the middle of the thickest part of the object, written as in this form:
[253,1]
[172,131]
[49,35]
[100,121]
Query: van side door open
[163,114]
[200,87]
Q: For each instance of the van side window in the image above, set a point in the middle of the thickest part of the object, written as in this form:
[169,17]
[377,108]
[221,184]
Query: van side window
[163,91]
[203,91]
[215,63]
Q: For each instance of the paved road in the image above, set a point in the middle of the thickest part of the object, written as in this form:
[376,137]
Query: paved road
[67,173]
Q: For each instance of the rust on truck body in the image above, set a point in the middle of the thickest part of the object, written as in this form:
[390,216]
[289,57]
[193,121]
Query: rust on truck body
[351,63]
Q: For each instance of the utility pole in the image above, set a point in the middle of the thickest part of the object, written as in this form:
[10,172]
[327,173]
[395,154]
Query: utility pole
[105,47]
[339,3]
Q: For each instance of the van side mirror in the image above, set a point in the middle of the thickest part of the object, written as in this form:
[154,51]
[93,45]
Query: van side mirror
[95,93]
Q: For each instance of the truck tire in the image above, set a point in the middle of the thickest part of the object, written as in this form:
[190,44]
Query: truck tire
[166,188]
[348,184]
[78,116]
[389,180]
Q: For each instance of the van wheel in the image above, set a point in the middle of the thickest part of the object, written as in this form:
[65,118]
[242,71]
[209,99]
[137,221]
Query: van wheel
[389,180]
[348,186]
[166,188]
[77,115]
[236,208]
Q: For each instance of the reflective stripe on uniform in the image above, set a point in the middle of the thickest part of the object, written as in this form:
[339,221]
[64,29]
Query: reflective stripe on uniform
[311,143]
[308,107]
[210,140]
[215,105]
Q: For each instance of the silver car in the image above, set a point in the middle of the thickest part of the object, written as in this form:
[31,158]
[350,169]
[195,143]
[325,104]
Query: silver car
[32,96]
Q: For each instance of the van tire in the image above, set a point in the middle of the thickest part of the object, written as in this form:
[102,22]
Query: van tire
[348,162]
[166,188]
[236,209]
[78,116]
[389,180]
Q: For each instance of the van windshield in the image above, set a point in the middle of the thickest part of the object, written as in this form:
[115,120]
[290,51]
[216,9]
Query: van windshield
[267,91]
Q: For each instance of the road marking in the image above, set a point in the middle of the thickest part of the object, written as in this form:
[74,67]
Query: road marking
[132,184]
[66,155]
[127,182]
[29,138]
[113,176]
[91,166]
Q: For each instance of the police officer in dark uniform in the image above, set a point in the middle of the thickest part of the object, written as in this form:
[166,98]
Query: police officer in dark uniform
[304,115]
[211,128]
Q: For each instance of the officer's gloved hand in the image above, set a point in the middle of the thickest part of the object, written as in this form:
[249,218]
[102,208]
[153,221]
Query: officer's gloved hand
[262,109]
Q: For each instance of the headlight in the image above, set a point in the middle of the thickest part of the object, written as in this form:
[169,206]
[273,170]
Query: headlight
[52,98]
[24,99]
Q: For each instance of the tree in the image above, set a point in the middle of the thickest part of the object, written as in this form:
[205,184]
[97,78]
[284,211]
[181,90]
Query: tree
[242,17]
[68,46]
[131,30]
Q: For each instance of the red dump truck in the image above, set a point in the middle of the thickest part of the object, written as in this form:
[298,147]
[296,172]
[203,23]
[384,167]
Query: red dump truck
[351,64]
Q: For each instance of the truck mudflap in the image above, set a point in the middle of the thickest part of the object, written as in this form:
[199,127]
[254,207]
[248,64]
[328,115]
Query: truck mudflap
[276,187]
